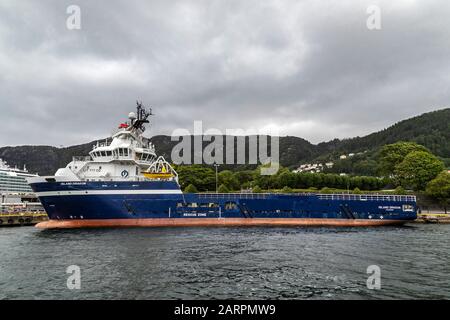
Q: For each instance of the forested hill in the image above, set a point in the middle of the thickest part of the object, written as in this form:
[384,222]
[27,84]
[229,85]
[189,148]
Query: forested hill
[430,129]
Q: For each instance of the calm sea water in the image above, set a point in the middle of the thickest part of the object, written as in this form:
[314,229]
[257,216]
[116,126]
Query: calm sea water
[221,263]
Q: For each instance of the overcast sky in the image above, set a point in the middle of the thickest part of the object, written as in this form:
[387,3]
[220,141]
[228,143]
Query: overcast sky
[310,68]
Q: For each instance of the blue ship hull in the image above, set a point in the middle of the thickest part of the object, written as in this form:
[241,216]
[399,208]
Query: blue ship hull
[159,203]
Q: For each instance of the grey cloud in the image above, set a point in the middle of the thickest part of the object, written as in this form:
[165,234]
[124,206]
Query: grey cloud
[310,68]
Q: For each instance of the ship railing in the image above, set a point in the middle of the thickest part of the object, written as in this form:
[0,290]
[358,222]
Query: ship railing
[397,198]
[104,143]
[81,158]
[125,179]
[367,197]
[233,195]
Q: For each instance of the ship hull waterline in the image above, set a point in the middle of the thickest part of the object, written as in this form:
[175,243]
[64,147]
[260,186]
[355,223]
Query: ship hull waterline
[215,222]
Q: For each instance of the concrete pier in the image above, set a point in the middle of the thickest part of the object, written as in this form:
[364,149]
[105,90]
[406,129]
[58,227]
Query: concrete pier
[433,218]
[22,218]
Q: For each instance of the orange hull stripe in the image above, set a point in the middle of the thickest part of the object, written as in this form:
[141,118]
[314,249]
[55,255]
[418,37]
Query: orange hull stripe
[207,222]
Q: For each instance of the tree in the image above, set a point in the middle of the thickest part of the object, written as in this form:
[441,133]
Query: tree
[439,189]
[229,180]
[391,155]
[417,169]
[326,190]
[256,189]
[223,189]
[400,190]
[286,179]
[243,177]
[356,191]
[190,189]
[200,176]
[286,189]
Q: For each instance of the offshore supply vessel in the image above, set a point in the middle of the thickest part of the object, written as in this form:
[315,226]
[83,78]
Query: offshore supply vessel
[124,183]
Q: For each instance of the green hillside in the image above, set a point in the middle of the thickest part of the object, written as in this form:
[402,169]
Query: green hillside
[430,129]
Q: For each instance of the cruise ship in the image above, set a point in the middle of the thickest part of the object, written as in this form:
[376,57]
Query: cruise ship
[15,193]
[13,183]
[13,180]
[123,183]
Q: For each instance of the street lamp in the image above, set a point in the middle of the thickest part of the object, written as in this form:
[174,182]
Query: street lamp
[217,166]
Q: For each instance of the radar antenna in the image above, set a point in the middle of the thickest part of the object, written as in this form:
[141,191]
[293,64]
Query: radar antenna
[142,115]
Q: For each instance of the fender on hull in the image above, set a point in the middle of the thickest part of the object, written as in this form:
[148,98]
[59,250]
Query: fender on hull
[211,222]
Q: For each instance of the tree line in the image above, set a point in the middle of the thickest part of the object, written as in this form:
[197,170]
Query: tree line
[401,165]
[203,179]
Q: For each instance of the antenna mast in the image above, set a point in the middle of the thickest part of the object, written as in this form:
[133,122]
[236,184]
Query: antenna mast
[142,115]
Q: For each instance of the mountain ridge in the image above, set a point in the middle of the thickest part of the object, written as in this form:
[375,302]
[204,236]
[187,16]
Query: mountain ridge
[431,129]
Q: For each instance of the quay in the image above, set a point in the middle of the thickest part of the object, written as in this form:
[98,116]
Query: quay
[22,218]
[22,214]
[432,218]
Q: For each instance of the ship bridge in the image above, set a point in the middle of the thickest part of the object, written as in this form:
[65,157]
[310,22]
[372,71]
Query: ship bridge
[127,155]
[125,147]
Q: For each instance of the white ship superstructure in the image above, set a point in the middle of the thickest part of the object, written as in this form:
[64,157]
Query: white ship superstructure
[15,193]
[126,156]
[13,180]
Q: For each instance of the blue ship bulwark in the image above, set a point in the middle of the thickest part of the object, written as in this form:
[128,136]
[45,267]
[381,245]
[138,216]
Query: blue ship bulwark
[144,200]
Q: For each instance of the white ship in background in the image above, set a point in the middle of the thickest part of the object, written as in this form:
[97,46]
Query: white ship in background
[15,193]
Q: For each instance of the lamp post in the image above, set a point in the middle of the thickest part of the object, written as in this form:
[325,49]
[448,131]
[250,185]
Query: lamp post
[217,180]
[348,186]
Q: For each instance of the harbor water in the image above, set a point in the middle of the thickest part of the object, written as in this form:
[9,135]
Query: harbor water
[222,263]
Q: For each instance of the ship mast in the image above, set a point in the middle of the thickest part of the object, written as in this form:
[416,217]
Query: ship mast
[142,115]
